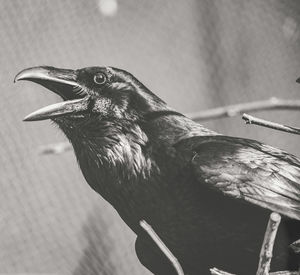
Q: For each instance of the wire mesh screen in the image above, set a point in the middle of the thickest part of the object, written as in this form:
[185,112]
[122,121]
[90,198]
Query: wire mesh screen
[193,54]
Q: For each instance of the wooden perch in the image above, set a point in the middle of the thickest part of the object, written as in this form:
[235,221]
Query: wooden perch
[269,124]
[238,109]
[266,252]
[149,230]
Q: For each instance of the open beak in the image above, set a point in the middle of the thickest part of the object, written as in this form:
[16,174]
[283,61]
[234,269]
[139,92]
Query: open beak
[62,82]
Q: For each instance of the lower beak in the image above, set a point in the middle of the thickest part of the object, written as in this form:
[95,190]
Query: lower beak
[62,82]
[58,109]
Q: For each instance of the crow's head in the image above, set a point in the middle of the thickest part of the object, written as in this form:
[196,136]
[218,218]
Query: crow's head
[103,113]
[94,92]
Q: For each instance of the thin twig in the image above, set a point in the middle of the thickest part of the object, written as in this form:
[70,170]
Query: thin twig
[162,246]
[284,273]
[296,246]
[216,271]
[269,124]
[237,109]
[55,148]
[266,252]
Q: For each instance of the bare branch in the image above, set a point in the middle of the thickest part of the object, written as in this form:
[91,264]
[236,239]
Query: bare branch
[226,111]
[55,148]
[237,109]
[269,124]
[296,246]
[162,246]
[266,252]
[284,273]
[216,271]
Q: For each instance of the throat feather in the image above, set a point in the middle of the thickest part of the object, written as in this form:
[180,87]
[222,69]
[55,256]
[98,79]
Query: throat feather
[120,154]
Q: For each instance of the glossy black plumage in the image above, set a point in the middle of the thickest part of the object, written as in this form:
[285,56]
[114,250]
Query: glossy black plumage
[206,195]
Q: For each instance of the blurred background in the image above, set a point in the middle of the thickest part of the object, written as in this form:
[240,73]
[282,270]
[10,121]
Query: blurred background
[195,54]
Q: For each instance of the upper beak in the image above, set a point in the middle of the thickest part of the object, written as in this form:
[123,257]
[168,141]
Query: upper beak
[60,81]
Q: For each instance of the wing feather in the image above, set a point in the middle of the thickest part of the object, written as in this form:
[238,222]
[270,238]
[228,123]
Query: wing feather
[248,170]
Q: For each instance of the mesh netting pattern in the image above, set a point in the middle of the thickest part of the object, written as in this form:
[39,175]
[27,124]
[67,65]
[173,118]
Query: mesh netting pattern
[194,54]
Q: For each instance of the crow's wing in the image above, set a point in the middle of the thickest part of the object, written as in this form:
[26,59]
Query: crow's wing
[246,169]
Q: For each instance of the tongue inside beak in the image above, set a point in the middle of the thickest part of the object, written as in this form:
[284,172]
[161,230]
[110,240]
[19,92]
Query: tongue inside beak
[62,82]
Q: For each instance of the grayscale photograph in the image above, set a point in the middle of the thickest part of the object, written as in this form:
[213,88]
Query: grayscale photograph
[150,137]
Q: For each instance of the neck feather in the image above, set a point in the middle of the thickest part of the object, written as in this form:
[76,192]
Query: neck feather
[115,149]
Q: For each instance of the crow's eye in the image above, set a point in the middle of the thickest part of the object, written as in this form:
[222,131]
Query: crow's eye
[100,78]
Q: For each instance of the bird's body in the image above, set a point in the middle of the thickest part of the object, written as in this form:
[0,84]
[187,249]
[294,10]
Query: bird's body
[202,227]
[207,196]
